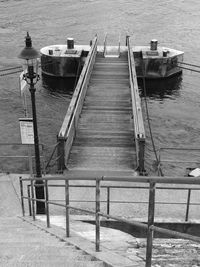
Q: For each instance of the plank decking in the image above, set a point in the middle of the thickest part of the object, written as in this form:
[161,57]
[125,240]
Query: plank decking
[104,136]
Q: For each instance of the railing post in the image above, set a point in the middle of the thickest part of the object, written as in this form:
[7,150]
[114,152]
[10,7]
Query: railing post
[127,39]
[61,153]
[33,200]
[150,231]
[105,42]
[67,206]
[108,200]
[97,214]
[22,195]
[29,200]
[119,52]
[141,155]
[188,205]
[47,203]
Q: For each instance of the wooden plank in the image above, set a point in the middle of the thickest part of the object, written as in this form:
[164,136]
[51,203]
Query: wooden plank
[109,158]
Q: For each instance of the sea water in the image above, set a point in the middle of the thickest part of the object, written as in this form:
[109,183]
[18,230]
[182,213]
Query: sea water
[173,106]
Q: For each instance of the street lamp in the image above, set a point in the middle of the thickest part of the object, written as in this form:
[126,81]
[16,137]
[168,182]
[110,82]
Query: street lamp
[30,58]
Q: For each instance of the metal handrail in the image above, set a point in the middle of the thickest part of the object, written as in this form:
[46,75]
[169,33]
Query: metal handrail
[30,157]
[73,104]
[137,109]
[136,105]
[68,128]
[142,179]
[188,149]
[108,200]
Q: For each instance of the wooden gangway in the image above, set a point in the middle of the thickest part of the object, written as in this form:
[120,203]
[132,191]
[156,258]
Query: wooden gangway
[103,128]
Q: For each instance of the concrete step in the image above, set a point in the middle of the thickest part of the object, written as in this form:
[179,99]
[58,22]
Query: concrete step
[51,263]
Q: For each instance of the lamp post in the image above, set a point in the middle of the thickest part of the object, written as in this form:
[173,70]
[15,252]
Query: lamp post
[30,65]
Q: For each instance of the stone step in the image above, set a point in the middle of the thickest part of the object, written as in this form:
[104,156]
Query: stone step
[23,244]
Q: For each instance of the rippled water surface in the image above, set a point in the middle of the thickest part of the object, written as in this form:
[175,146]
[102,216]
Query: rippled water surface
[173,106]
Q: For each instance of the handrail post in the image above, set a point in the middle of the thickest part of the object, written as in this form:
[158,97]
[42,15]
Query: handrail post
[188,205]
[97,215]
[33,200]
[22,195]
[141,151]
[61,153]
[47,203]
[119,48]
[29,200]
[67,206]
[150,231]
[105,43]
[108,200]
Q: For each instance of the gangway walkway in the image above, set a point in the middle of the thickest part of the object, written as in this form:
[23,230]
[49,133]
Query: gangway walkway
[104,137]
[99,129]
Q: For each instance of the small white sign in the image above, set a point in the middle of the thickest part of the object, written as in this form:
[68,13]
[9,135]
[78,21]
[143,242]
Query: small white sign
[195,172]
[26,129]
[22,83]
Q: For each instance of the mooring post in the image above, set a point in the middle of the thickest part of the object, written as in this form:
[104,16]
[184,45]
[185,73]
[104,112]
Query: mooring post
[150,231]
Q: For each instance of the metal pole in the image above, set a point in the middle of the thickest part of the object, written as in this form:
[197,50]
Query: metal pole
[29,200]
[97,215]
[108,200]
[22,195]
[39,189]
[33,201]
[150,223]
[188,205]
[67,208]
[47,203]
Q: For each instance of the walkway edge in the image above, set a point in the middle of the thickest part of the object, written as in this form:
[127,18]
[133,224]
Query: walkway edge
[109,258]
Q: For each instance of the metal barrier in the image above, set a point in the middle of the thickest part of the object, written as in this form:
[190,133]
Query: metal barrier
[68,129]
[150,227]
[105,45]
[29,155]
[137,111]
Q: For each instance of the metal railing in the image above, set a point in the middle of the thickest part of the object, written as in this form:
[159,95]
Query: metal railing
[150,227]
[8,151]
[68,129]
[137,110]
[105,46]
[177,159]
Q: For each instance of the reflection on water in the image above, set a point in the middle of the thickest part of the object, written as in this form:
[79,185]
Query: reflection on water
[62,85]
[161,89]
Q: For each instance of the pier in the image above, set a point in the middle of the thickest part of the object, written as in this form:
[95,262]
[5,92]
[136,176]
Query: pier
[103,128]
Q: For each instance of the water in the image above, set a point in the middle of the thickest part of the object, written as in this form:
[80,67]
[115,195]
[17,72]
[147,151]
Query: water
[173,107]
